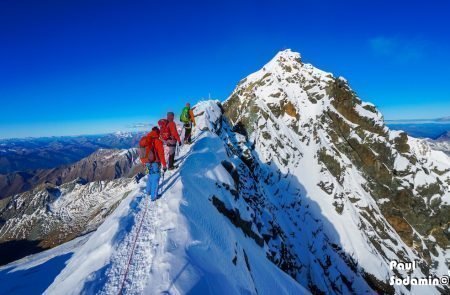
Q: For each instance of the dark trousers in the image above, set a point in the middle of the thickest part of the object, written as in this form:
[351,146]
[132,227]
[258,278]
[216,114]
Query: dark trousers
[187,132]
[171,160]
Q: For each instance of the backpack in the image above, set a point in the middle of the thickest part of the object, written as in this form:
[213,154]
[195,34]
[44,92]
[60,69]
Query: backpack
[164,129]
[146,149]
[184,117]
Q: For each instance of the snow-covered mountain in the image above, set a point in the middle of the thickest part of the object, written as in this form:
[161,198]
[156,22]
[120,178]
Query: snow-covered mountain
[61,203]
[293,185]
[47,217]
[385,195]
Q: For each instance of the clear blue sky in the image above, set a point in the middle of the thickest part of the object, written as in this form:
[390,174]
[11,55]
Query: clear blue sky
[71,67]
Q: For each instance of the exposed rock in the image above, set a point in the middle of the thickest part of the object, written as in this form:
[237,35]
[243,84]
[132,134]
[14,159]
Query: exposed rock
[290,109]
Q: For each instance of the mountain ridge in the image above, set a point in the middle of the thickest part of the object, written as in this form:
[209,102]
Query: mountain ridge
[24,155]
[307,115]
[292,184]
[103,164]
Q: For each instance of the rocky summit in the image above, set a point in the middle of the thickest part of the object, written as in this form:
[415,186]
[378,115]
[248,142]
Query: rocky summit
[378,194]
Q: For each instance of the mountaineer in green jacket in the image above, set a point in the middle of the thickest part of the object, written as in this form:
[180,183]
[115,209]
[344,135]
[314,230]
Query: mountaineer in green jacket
[188,119]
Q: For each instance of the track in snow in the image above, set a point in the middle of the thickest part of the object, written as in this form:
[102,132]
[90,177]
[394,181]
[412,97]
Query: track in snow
[149,237]
[138,267]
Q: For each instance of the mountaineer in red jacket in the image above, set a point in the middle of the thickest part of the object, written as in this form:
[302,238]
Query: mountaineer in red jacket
[170,137]
[153,158]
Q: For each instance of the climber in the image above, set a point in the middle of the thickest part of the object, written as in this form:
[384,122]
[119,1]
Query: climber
[170,137]
[188,119]
[152,156]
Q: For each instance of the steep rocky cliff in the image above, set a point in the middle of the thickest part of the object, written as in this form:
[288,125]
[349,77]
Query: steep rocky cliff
[379,194]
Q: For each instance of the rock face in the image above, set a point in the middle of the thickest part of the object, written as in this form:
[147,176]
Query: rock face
[104,164]
[358,195]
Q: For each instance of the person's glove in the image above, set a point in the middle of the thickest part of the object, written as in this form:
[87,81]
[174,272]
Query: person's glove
[164,169]
[179,143]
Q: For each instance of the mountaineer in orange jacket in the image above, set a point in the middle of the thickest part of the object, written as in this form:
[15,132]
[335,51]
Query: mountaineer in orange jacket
[154,157]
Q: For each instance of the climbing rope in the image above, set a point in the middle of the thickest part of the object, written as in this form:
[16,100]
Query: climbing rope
[133,247]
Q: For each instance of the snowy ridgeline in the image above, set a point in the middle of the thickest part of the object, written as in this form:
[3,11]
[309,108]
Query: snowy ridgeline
[298,195]
[185,244]
[190,241]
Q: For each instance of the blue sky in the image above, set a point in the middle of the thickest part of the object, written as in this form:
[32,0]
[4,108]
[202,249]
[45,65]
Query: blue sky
[77,67]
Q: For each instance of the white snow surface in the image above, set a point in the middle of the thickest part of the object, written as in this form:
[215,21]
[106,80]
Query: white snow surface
[184,245]
[34,273]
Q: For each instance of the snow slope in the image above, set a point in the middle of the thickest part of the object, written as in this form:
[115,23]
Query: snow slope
[33,274]
[56,214]
[184,245]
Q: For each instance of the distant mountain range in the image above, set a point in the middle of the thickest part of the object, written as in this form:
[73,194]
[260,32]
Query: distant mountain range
[50,152]
[435,120]
[433,129]
[444,119]
[436,131]
[103,164]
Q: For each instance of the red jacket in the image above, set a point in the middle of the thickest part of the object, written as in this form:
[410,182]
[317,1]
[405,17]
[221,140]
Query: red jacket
[173,130]
[158,147]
